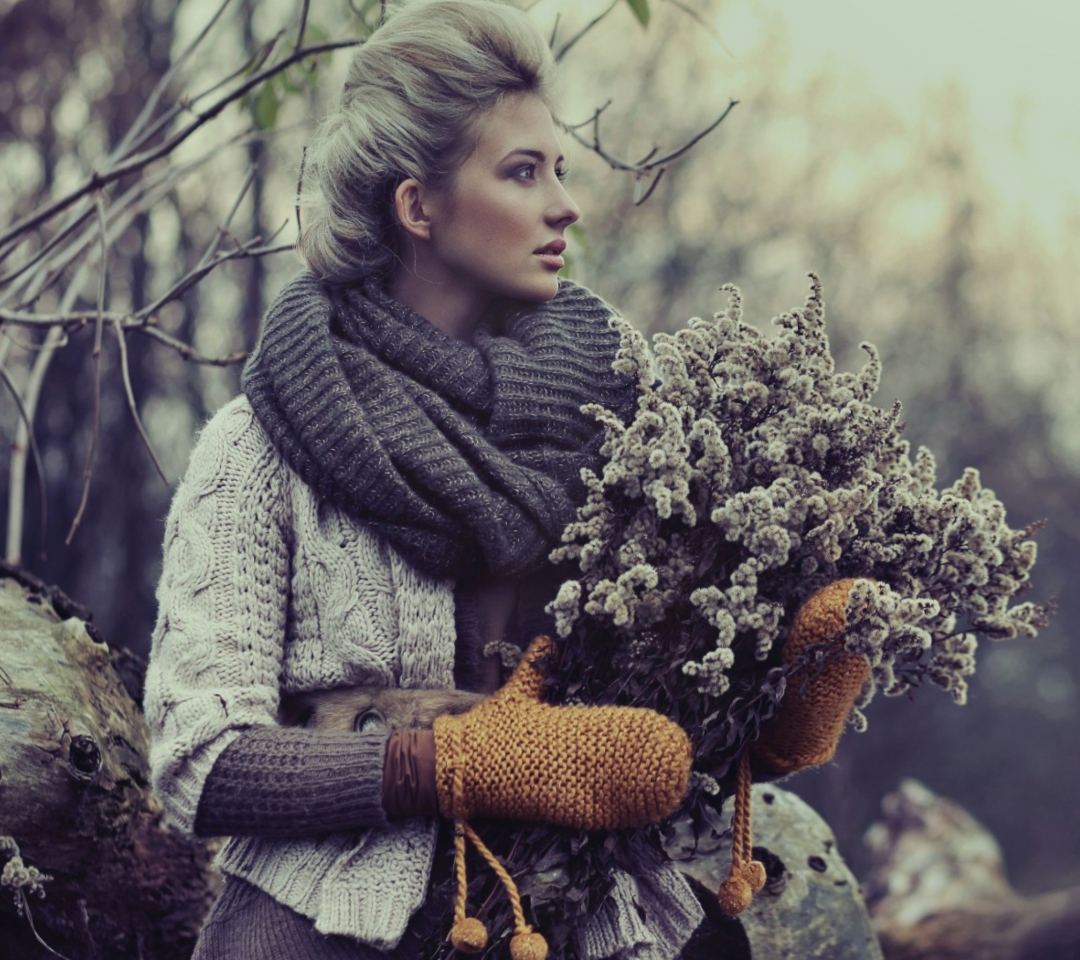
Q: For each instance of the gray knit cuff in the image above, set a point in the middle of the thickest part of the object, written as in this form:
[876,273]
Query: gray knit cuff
[284,782]
[648,916]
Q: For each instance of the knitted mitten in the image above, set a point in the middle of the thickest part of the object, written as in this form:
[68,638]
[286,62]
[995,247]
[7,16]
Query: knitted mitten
[513,756]
[805,730]
[807,727]
[595,768]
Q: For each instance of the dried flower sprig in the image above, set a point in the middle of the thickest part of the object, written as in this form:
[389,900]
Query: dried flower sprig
[753,474]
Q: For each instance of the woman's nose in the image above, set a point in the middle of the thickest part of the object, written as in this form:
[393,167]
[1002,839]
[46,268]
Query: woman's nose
[563,211]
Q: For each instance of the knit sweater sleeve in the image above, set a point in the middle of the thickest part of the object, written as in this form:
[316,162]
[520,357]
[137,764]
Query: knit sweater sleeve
[213,679]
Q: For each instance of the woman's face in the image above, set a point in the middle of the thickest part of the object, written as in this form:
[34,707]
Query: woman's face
[498,230]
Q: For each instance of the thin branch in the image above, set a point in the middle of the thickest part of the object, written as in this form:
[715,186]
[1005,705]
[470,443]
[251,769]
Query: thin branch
[300,187]
[33,929]
[303,26]
[121,339]
[185,104]
[639,196]
[97,181]
[74,320]
[223,230]
[566,47]
[640,168]
[592,121]
[76,221]
[188,352]
[554,29]
[138,198]
[14,553]
[99,329]
[181,287]
[71,320]
[159,88]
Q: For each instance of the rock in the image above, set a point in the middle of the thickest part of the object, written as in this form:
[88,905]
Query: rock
[811,905]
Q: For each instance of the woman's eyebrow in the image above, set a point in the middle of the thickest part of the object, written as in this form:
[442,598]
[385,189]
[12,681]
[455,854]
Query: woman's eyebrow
[538,155]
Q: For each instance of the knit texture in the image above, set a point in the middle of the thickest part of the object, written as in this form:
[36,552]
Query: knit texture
[266,590]
[285,782]
[647,916]
[807,727]
[594,768]
[471,452]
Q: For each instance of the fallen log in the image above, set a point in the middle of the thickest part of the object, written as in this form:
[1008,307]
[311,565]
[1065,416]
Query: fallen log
[90,867]
[937,889]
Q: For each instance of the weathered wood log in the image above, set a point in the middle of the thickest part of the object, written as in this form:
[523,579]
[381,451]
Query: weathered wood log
[938,890]
[76,803]
[811,906]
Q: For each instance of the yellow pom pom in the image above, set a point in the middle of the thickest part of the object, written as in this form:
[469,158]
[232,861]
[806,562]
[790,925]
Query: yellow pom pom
[528,946]
[735,896]
[469,935]
[754,874]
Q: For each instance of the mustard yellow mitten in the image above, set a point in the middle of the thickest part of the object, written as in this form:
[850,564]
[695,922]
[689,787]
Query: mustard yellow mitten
[514,756]
[806,728]
[595,768]
[804,731]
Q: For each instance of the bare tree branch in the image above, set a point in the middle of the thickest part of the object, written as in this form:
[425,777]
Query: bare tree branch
[300,188]
[303,26]
[242,252]
[188,352]
[154,99]
[99,328]
[132,406]
[566,47]
[14,555]
[648,169]
[98,180]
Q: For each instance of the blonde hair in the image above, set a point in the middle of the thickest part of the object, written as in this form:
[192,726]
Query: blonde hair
[409,108]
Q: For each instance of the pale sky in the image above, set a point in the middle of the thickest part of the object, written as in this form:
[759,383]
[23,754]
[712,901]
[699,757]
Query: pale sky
[1017,60]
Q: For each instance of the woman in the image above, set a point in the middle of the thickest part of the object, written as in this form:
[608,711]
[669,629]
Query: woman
[377,508]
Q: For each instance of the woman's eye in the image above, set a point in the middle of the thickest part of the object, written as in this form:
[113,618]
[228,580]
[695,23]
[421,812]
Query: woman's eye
[561,173]
[527,172]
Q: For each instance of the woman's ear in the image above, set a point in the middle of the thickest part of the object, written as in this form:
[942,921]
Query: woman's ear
[409,200]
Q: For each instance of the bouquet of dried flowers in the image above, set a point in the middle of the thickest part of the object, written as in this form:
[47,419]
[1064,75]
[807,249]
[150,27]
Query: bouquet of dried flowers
[753,474]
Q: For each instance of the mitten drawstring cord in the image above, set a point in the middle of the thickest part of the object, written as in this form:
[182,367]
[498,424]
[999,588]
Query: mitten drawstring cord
[746,876]
[469,935]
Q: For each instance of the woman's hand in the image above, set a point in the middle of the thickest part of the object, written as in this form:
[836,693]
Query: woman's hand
[807,726]
[594,768]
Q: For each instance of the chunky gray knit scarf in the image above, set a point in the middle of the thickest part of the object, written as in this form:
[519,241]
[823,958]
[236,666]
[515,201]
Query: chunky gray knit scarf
[466,457]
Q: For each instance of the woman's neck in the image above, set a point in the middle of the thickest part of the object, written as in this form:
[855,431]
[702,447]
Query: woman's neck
[447,306]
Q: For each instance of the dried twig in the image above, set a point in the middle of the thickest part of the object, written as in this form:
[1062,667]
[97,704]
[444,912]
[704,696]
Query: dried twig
[566,47]
[300,188]
[188,352]
[303,26]
[99,180]
[648,168]
[99,328]
[39,464]
[244,251]
[126,372]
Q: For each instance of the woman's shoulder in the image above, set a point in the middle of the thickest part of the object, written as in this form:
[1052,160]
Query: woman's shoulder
[233,442]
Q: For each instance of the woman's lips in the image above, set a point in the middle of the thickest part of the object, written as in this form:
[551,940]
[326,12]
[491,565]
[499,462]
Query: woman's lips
[551,254]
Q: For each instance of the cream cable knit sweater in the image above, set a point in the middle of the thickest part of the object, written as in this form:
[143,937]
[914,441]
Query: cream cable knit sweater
[266,591]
